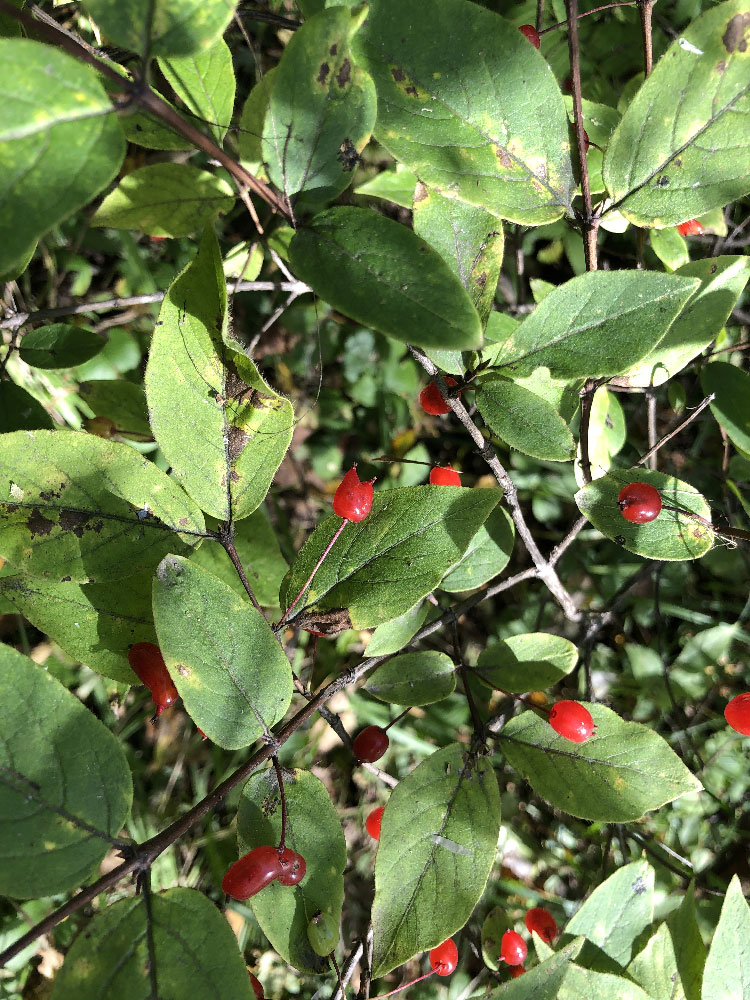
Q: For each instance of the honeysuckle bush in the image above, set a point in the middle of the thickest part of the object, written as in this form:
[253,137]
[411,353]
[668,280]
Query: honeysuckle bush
[237,243]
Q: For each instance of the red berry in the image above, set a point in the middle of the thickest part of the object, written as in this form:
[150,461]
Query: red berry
[639,502]
[147,662]
[444,958]
[513,948]
[531,33]
[373,822]
[540,920]
[252,872]
[516,971]
[572,721]
[371,744]
[432,401]
[444,475]
[737,713]
[353,498]
[257,987]
[293,867]
[690,228]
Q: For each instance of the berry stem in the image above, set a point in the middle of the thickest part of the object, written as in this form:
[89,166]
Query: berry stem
[280,780]
[405,986]
[596,10]
[226,539]
[310,578]
[681,425]
[589,221]
[332,958]
[397,719]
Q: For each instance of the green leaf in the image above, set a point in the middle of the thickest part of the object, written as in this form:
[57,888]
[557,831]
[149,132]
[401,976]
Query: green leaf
[468,239]
[65,788]
[162,27]
[380,567]
[191,945]
[529,662]
[121,402]
[727,972]
[384,276]
[314,831]
[466,126]
[394,635]
[414,679]
[607,435]
[682,145]
[250,132]
[722,282]
[60,142]
[732,404]
[391,185]
[205,81]
[655,967]
[600,323]
[260,555]
[437,846]
[487,554]
[223,657]
[687,939]
[524,420]
[60,346]
[227,453]
[674,535]
[165,199]
[494,925]
[322,108]
[78,508]
[622,771]
[671,248]
[543,982]
[19,411]
[94,623]
[602,985]
[617,911]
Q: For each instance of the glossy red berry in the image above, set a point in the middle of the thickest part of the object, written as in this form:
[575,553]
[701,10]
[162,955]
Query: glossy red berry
[353,498]
[293,867]
[531,33]
[540,920]
[571,720]
[370,744]
[147,662]
[513,948]
[252,872]
[257,987]
[432,401]
[737,713]
[690,228]
[373,822]
[639,503]
[444,475]
[444,958]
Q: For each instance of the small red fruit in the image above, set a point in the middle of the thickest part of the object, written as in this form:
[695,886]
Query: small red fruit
[444,475]
[516,971]
[432,401]
[252,872]
[690,228]
[572,720]
[373,822]
[513,948]
[147,662]
[639,503]
[737,713]
[370,744]
[293,867]
[444,958]
[531,33]
[353,498]
[540,920]
[257,987]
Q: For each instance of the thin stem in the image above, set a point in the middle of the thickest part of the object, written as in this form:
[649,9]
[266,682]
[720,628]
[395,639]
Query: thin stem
[150,944]
[473,710]
[587,401]
[405,986]
[226,539]
[651,420]
[590,222]
[310,578]
[723,531]
[539,16]
[280,780]
[596,10]
[645,9]
[675,430]
[348,970]
[397,719]
[332,958]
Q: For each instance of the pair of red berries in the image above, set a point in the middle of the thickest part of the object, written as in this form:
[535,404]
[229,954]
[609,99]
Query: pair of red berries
[737,713]
[513,950]
[261,866]
[572,720]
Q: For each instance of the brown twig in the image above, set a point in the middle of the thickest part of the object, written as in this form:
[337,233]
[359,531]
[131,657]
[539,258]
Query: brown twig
[590,221]
[595,10]
[280,781]
[587,401]
[675,431]
[226,540]
[645,10]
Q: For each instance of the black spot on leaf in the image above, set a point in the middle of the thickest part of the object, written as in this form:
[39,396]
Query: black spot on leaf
[39,525]
[344,74]
[347,155]
[322,76]
[734,37]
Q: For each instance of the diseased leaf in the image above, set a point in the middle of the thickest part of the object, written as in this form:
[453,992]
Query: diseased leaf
[78,508]
[437,846]
[622,771]
[383,275]
[65,787]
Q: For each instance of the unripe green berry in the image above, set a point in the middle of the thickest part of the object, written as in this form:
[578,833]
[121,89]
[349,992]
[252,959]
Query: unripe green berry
[323,933]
